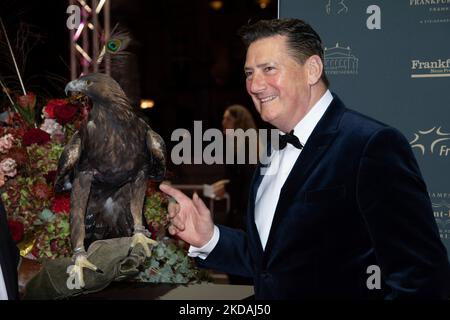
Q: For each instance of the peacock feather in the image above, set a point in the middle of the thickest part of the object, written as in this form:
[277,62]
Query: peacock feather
[116,52]
[115,47]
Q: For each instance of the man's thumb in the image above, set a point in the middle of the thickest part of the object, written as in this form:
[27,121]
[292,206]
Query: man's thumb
[199,204]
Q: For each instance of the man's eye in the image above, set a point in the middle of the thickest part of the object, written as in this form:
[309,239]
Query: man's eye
[248,74]
[268,69]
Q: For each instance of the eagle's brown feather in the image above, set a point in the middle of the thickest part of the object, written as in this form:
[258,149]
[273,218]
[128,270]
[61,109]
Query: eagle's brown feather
[117,153]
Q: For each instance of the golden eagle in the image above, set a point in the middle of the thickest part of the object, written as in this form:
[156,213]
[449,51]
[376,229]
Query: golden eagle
[107,164]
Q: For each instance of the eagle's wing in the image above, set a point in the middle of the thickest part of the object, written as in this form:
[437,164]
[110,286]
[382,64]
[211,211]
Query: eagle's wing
[67,162]
[157,149]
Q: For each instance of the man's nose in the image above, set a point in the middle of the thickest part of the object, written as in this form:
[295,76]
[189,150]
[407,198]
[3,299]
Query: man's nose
[257,84]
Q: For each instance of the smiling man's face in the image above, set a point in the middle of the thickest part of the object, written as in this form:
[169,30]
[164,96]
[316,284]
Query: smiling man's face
[277,83]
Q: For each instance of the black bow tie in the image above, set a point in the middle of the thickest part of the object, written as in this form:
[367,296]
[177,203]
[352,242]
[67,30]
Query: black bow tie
[289,138]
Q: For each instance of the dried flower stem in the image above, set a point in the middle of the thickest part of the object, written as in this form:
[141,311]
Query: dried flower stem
[5,90]
[12,55]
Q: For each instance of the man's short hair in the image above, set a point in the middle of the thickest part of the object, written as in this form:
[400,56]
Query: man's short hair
[303,42]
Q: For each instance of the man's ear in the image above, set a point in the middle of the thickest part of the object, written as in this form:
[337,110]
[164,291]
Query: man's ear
[314,67]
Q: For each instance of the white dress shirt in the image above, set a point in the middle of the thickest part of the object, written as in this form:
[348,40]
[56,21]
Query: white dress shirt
[275,176]
[3,293]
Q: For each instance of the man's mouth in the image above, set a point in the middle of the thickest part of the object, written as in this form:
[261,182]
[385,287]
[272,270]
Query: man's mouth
[267,99]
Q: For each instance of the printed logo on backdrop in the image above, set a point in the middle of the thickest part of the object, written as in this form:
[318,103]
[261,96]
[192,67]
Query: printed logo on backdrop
[432,142]
[336,7]
[421,68]
[340,60]
[441,210]
[431,11]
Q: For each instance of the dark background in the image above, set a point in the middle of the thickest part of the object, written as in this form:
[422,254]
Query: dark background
[186,56]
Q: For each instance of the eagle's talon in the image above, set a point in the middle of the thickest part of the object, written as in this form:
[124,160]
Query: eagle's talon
[140,238]
[99,271]
[76,271]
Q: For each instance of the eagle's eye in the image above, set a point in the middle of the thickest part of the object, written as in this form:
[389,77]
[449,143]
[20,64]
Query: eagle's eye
[88,82]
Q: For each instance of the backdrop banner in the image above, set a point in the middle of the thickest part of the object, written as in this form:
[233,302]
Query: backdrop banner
[391,60]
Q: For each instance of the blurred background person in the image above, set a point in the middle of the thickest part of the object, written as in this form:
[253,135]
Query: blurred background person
[238,176]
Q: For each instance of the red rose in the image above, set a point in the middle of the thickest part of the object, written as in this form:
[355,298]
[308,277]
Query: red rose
[52,104]
[49,111]
[66,113]
[61,204]
[16,229]
[35,135]
[27,101]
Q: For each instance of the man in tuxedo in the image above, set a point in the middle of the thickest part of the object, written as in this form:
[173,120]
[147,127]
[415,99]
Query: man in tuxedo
[347,199]
[9,261]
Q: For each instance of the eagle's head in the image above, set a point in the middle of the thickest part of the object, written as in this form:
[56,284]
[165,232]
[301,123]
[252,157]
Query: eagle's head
[99,88]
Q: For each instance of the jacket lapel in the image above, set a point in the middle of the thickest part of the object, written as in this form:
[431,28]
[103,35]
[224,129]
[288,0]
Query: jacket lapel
[319,141]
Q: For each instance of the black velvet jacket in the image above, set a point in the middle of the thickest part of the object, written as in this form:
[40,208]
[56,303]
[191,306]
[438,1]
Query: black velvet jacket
[9,257]
[354,198]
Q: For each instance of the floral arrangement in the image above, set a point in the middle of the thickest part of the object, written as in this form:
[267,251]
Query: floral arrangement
[33,132]
[38,217]
[169,264]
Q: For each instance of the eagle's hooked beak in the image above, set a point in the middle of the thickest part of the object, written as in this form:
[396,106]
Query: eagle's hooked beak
[76,85]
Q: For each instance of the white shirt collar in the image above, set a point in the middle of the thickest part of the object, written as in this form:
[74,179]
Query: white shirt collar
[305,127]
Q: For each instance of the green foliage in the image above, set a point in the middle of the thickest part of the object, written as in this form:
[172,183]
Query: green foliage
[155,212]
[44,158]
[170,264]
[55,241]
